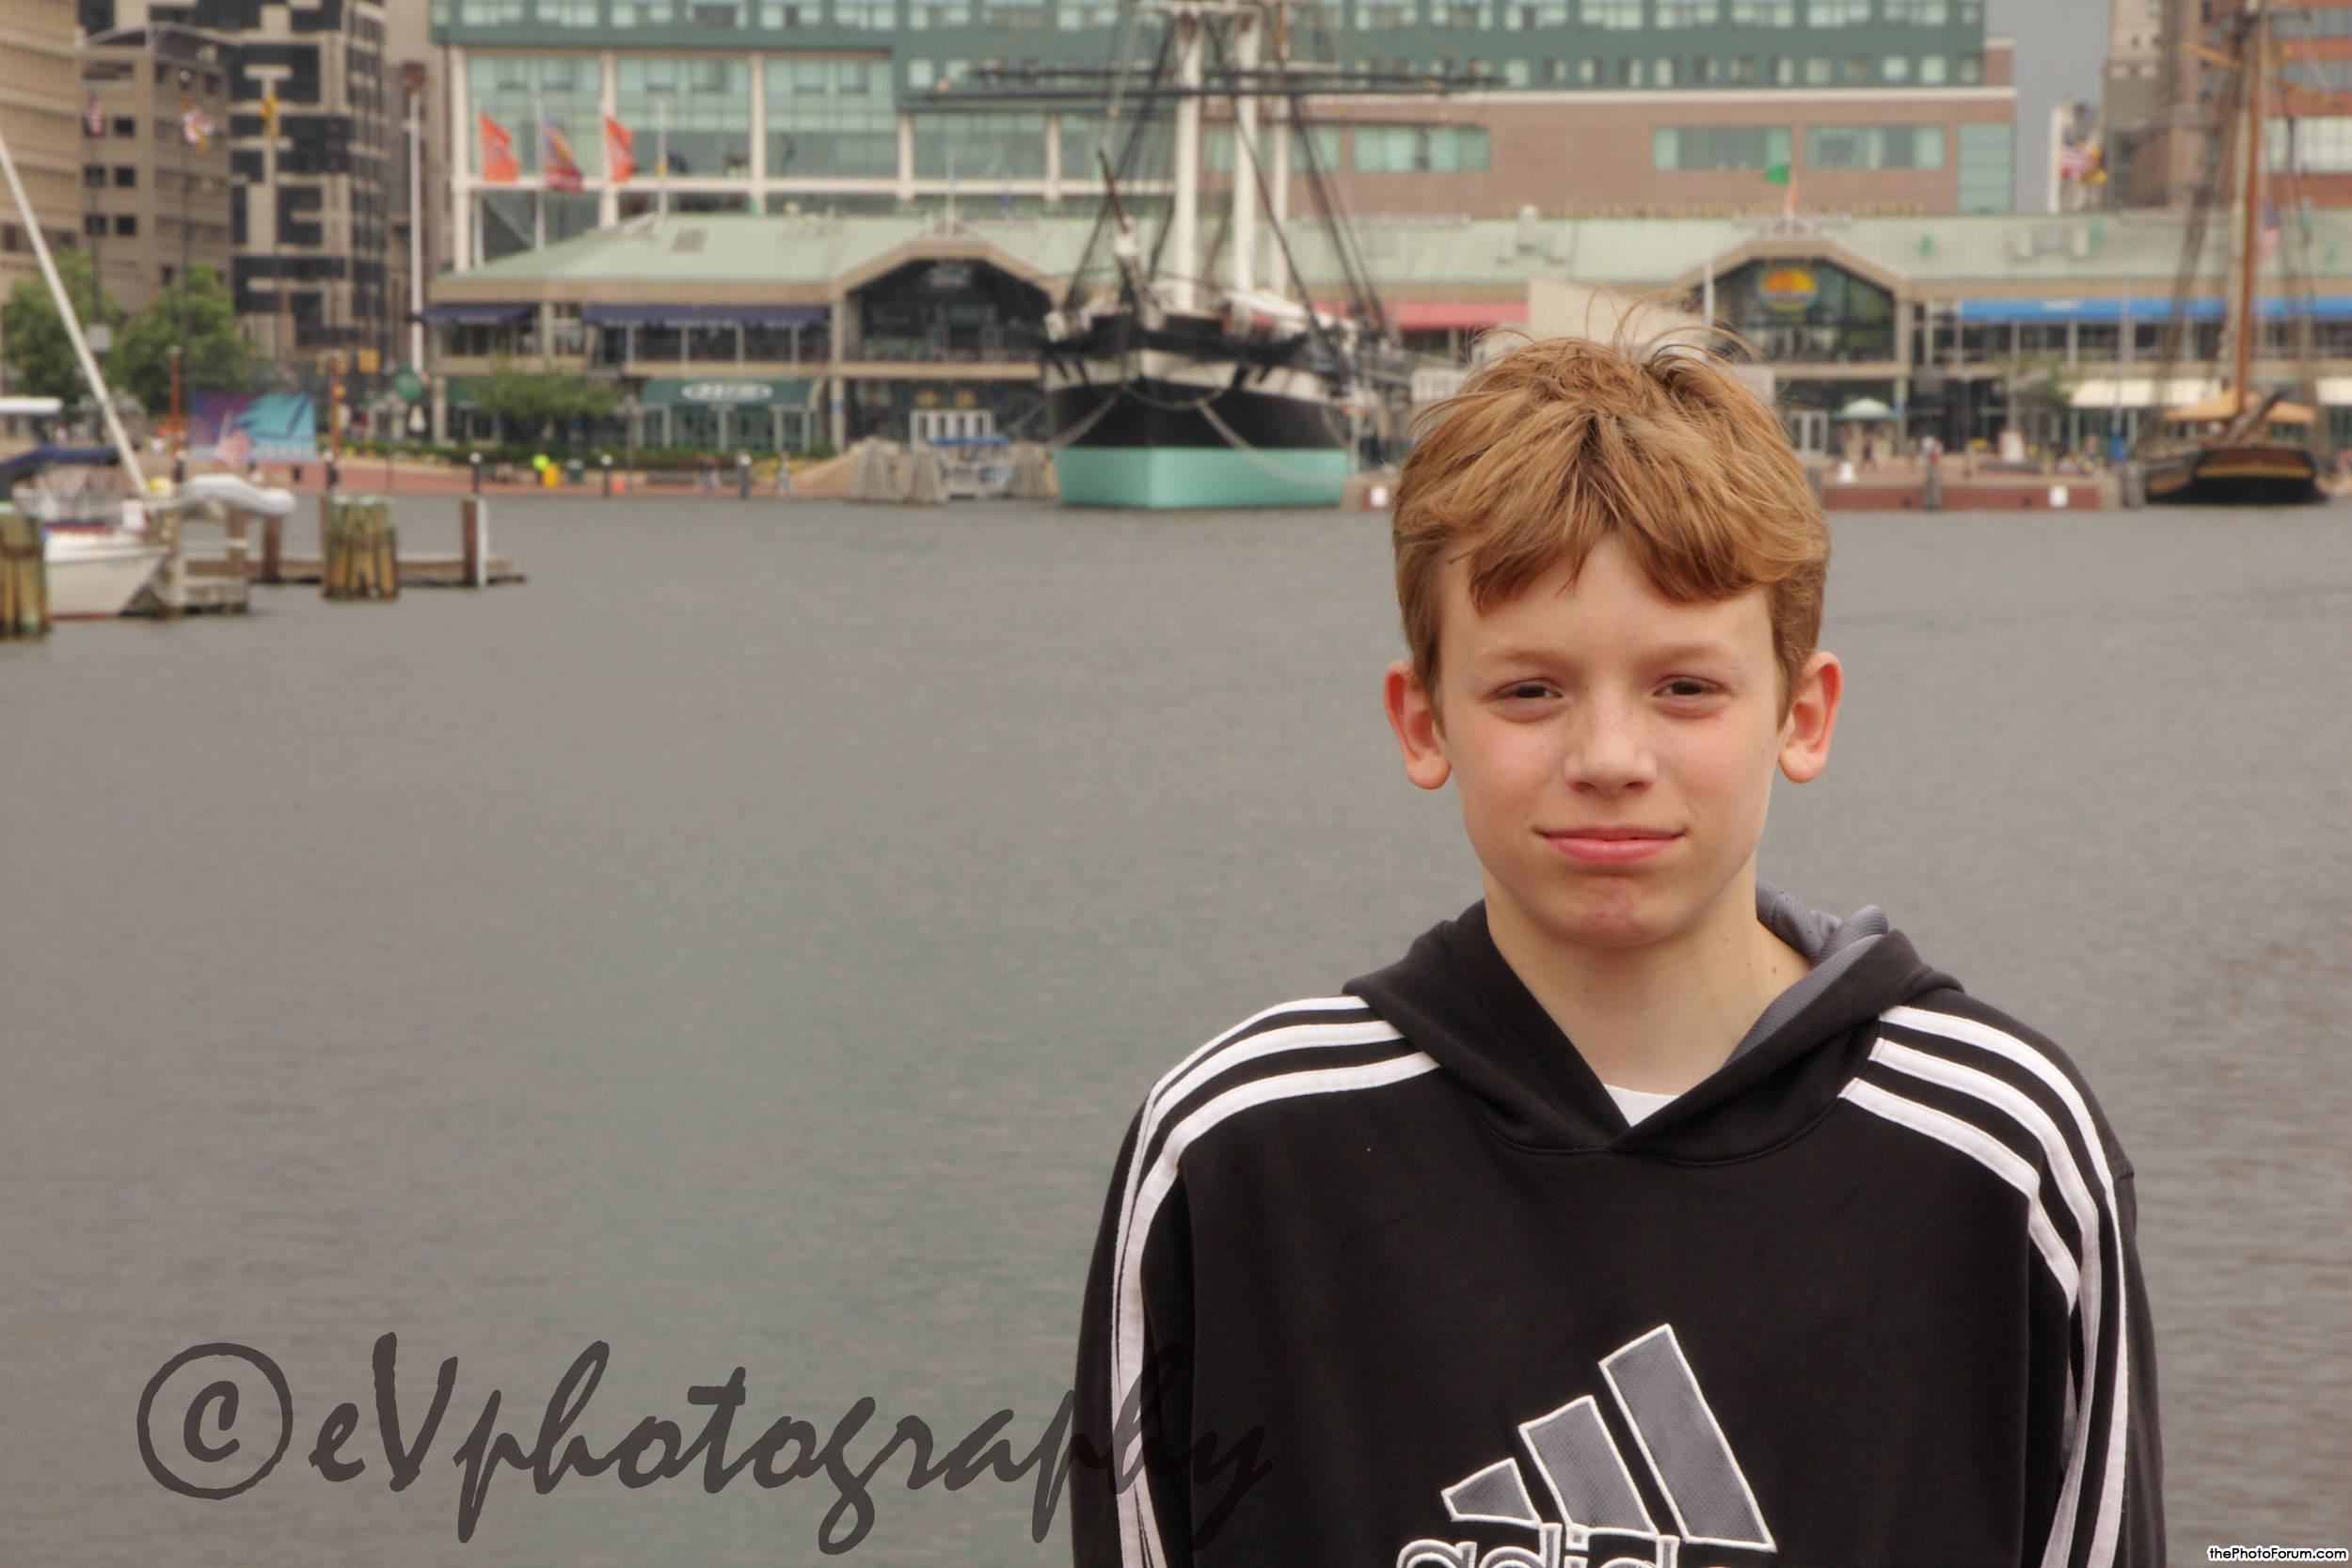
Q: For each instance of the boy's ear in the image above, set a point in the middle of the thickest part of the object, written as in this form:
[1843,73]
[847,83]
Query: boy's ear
[1812,715]
[1414,718]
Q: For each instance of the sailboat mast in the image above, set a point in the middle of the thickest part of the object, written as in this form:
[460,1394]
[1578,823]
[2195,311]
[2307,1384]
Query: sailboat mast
[1184,235]
[2252,58]
[1245,153]
[1279,194]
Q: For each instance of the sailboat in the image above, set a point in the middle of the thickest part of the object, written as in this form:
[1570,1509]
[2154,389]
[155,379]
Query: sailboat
[2242,445]
[1167,385]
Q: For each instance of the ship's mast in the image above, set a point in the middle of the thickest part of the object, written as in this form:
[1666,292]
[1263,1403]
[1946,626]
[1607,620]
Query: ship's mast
[1278,169]
[1245,207]
[2252,58]
[1184,233]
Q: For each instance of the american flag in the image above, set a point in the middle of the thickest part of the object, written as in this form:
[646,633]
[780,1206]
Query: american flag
[232,448]
[2073,161]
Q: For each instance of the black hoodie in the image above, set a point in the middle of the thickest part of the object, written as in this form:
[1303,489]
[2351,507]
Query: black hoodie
[1386,1279]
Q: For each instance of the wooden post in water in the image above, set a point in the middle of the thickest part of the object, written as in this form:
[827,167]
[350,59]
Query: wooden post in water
[273,547]
[23,576]
[359,552]
[473,518]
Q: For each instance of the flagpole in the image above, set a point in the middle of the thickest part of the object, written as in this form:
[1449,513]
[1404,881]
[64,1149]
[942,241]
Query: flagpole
[539,196]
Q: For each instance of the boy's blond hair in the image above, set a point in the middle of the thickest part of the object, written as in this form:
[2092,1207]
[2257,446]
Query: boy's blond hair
[1562,442]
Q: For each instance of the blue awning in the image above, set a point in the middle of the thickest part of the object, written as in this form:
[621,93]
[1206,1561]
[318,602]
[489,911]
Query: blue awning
[472,315]
[704,315]
[2200,308]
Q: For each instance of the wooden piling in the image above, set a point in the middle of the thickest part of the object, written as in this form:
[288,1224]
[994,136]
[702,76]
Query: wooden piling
[474,518]
[272,548]
[359,548]
[23,576]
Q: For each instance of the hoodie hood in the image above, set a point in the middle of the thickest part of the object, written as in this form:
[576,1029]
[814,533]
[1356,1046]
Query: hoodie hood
[1455,997]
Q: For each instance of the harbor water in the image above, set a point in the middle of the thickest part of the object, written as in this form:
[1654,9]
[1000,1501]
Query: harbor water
[743,944]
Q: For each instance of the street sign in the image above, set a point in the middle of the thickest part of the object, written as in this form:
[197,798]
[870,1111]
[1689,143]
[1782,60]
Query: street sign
[408,384]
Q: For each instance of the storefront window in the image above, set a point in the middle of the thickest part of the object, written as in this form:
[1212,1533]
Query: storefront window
[1807,311]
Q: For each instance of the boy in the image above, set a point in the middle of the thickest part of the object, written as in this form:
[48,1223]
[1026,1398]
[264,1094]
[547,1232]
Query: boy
[1640,1216]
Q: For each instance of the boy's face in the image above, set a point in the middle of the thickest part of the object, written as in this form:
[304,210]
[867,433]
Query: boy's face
[1614,751]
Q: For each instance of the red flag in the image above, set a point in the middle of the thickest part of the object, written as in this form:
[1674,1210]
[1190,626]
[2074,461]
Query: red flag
[619,164]
[556,160]
[497,152]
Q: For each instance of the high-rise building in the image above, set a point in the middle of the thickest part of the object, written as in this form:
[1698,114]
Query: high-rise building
[1617,105]
[155,182]
[40,107]
[310,199]
[2160,117]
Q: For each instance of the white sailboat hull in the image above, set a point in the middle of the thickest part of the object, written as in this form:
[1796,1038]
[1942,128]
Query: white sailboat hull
[97,572]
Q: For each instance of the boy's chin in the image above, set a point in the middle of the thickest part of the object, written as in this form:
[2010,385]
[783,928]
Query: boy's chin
[1614,914]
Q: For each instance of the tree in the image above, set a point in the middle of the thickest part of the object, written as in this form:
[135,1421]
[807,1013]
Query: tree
[527,406]
[36,344]
[219,358]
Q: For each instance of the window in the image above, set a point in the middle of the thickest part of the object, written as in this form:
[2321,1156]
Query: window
[1616,15]
[924,15]
[126,177]
[1020,16]
[1688,13]
[489,13]
[1895,68]
[1874,147]
[93,223]
[2322,145]
[1931,71]
[1764,14]
[1419,149]
[571,13]
[1857,70]
[643,13]
[921,76]
[126,224]
[1549,13]
[833,117]
[988,147]
[1784,72]
[1587,72]
[1717,147]
[1083,17]
[1971,70]
[726,13]
[1388,13]
[1661,74]
[94,174]
[1916,13]
[1986,171]
[1819,72]
[1741,71]
[1837,13]
[1517,72]
[1468,15]
[704,100]
[126,127]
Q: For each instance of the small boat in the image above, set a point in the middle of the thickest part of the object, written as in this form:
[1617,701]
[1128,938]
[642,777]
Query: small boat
[96,546]
[2227,455]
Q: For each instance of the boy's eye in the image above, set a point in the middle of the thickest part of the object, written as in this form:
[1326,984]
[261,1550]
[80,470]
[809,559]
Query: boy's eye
[1686,687]
[1527,691]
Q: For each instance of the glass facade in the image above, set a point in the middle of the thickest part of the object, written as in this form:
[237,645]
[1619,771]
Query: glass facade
[831,117]
[699,104]
[514,88]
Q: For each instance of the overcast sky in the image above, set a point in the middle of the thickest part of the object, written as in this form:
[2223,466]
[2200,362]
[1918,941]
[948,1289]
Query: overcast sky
[2060,47]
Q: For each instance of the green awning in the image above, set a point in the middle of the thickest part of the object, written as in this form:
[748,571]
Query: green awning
[726,391]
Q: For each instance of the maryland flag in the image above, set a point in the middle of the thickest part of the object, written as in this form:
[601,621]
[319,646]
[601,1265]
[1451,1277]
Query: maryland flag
[619,163]
[269,109]
[196,126]
[497,152]
[556,160]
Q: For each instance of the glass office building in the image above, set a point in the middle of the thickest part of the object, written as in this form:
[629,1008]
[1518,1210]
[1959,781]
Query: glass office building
[1599,106]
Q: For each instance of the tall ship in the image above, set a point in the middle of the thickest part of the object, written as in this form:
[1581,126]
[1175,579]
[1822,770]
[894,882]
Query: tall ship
[2243,444]
[1184,370]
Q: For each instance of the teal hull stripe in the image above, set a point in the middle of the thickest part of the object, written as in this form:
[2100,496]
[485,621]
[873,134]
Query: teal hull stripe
[1165,477]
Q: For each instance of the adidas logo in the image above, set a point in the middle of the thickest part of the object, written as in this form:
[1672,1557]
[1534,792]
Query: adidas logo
[1605,1518]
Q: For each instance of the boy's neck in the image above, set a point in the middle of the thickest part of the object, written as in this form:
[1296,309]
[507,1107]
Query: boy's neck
[1661,1017]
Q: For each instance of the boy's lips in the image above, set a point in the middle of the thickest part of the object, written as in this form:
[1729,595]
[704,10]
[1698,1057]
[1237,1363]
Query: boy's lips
[1610,845]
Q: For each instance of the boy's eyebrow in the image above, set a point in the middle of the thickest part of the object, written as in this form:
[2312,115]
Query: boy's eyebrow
[1699,648]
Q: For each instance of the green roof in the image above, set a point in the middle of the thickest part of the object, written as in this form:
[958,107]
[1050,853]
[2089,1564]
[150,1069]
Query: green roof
[2136,252]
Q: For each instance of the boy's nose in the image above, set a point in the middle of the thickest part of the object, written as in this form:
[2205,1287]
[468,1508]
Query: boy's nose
[1611,755]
